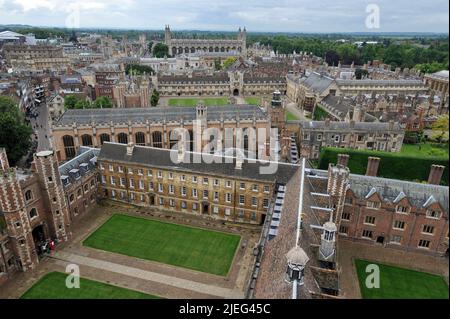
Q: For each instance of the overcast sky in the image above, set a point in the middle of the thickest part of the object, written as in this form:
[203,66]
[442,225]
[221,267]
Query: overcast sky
[228,15]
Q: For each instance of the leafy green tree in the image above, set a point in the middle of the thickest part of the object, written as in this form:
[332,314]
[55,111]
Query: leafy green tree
[103,102]
[154,98]
[82,104]
[440,128]
[229,62]
[70,101]
[15,134]
[360,73]
[138,69]
[161,50]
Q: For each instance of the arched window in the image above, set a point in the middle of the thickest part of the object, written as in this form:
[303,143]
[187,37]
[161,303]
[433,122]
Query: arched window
[33,213]
[79,192]
[140,138]
[157,139]
[174,50]
[71,198]
[69,146]
[104,138]
[86,140]
[28,195]
[122,138]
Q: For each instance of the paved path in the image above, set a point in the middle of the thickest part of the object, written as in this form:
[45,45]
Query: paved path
[291,107]
[150,276]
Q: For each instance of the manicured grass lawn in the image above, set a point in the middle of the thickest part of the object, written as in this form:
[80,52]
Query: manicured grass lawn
[291,117]
[53,286]
[400,283]
[253,100]
[194,102]
[425,150]
[178,245]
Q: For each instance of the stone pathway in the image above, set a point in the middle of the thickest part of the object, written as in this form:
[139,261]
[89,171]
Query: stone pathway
[150,276]
[291,107]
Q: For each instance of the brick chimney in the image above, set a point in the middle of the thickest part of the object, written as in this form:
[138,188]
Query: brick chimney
[372,166]
[343,159]
[436,174]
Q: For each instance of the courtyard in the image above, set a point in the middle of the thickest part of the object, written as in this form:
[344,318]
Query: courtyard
[161,278]
[401,283]
[177,245]
[53,286]
[195,101]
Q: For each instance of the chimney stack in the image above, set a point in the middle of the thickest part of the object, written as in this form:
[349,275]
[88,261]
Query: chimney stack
[130,148]
[436,174]
[372,166]
[343,159]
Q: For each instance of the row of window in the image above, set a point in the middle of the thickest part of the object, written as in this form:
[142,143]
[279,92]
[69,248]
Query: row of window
[80,192]
[395,239]
[183,204]
[183,192]
[398,224]
[430,213]
[183,178]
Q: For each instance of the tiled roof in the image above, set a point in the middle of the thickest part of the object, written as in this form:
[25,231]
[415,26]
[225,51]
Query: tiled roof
[162,158]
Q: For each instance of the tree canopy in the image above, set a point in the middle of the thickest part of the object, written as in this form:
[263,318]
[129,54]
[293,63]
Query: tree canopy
[15,134]
[161,50]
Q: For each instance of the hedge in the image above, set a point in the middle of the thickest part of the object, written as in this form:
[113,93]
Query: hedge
[392,165]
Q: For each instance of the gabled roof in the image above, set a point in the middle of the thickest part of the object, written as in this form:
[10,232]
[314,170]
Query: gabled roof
[418,194]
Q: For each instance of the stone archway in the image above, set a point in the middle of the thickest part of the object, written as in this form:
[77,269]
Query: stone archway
[236,92]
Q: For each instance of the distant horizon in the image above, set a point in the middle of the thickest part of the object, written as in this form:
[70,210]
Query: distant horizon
[18,25]
[264,16]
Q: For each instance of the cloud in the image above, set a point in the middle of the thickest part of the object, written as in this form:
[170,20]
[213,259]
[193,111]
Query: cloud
[256,15]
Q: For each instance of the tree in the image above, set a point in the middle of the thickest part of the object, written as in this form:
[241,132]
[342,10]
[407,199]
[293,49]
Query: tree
[150,46]
[155,98]
[161,50]
[440,127]
[332,58]
[217,65]
[82,104]
[70,101]
[138,69]
[103,102]
[360,73]
[229,62]
[15,134]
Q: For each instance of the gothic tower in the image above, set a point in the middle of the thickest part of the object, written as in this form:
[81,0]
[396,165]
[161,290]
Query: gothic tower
[13,210]
[47,169]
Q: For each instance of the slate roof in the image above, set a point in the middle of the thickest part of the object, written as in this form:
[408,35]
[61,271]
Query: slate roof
[158,114]
[345,126]
[317,82]
[161,158]
[380,82]
[389,189]
[86,155]
[394,190]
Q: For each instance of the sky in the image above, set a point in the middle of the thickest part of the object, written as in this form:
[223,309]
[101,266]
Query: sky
[228,15]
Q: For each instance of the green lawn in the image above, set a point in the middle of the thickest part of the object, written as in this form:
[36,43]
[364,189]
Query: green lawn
[400,283]
[291,117]
[253,100]
[53,286]
[194,102]
[425,150]
[178,245]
